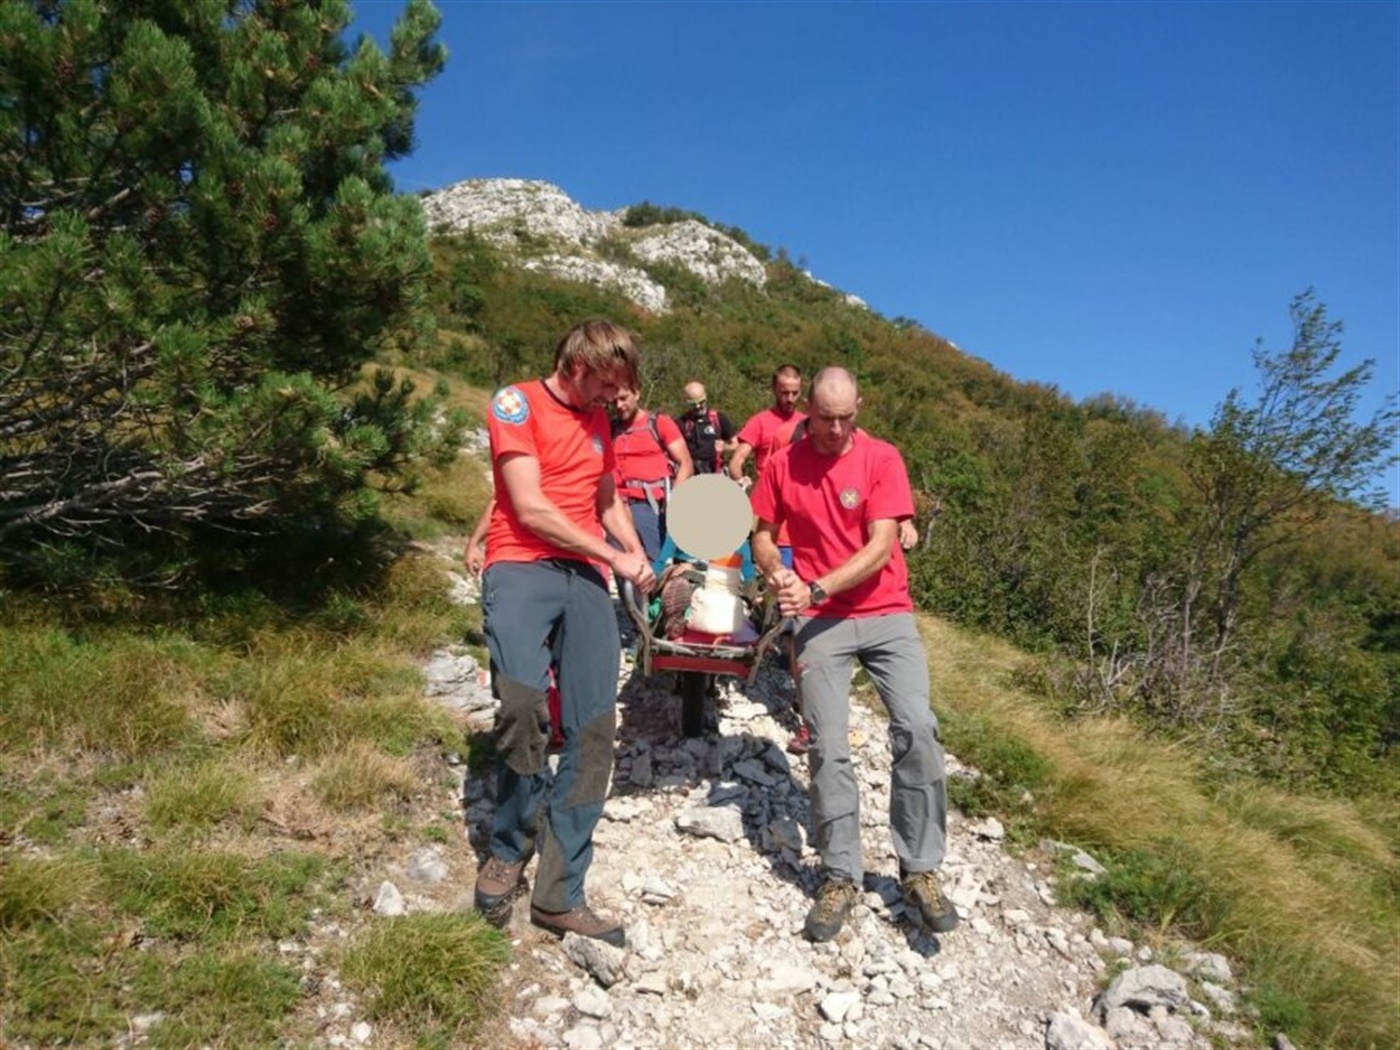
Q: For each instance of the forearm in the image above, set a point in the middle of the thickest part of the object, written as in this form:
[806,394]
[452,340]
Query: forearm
[617,519]
[550,524]
[737,461]
[766,556]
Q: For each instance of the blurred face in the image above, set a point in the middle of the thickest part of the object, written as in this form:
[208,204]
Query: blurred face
[625,403]
[786,391]
[695,400]
[832,419]
[592,389]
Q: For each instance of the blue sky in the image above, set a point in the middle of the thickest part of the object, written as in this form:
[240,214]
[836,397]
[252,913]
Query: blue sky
[1115,197]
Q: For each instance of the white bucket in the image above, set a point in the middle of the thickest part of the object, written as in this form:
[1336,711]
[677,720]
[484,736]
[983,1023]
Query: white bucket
[715,607]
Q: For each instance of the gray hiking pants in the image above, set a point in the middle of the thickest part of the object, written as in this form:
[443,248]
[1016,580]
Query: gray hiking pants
[892,653]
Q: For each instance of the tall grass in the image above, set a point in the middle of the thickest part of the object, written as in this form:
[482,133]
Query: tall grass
[1302,891]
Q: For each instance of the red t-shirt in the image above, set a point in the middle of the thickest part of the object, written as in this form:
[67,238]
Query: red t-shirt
[828,503]
[640,458]
[574,451]
[767,432]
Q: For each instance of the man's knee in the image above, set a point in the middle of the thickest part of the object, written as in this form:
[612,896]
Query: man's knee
[916,756]
[522,725]
[595,757]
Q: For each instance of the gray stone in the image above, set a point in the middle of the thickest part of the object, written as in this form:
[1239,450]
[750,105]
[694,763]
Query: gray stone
[427,865]
[1069,1031]
[389,901]
[593,1002]
[606,963]
[719,822]
[1145,987]
[1208,966]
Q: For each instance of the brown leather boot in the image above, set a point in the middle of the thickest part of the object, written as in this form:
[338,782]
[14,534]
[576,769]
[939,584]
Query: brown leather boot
[582,921]
[499,884]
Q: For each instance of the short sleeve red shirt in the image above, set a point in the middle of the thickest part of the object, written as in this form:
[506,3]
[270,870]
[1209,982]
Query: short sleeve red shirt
[828,503]
[639,457]
[768,431]
[574,451]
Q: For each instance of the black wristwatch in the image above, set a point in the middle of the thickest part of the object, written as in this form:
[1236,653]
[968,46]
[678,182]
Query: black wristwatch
[818,593]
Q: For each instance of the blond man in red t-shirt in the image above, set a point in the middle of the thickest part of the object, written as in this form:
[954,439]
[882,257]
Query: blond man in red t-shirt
[546,602]
[841,492]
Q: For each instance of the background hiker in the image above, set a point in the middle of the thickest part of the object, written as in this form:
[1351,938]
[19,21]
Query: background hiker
[709,433]
[651,456]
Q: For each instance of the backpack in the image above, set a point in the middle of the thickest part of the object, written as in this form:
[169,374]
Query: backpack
[712,461]
[618,428]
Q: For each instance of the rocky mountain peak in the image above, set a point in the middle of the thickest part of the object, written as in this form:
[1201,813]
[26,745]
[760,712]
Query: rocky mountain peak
[543,229]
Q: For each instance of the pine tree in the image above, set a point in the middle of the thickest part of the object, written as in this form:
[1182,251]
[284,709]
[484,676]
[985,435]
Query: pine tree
[201,249]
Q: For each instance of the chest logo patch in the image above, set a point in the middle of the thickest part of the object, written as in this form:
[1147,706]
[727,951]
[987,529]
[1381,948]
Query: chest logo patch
[850,499]
[509,406]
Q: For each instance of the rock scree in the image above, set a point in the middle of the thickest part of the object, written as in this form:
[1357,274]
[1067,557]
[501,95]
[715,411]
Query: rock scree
[703,853]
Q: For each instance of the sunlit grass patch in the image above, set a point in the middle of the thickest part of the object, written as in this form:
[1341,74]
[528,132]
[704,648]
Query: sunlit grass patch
[225,998]
[35,891]
[415,613]
[453,496]
[197,798]
[211,895]
[1313,826]
[1302,891]
[430,973]
[362,777]
[43,805]
[124,695]
[61,982]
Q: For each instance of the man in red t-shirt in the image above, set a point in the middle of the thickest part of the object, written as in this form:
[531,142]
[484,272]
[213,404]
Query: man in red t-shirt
[841,493]
[768,431]
[651,457]
[546,603]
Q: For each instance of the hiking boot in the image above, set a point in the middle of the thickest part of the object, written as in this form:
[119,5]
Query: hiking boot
[834,902]
[499,884]
[582,921]
[926,903]
[801,741]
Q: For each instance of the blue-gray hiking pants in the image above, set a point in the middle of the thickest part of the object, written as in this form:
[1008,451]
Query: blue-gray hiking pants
[536,612]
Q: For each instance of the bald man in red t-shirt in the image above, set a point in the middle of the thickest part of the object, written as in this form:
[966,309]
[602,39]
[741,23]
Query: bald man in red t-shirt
[841,493]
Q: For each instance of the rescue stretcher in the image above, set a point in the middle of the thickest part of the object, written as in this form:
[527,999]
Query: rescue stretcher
[708,520]
[697,655]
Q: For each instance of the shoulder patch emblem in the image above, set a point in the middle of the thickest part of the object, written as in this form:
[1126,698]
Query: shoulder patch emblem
[597,444]
[510,406]
[850,499]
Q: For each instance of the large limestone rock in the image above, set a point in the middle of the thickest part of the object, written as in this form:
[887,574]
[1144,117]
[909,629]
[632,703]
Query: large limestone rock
[512,212]
[540,226]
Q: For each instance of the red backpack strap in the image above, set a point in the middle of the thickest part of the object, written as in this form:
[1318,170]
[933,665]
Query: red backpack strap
[654,426]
